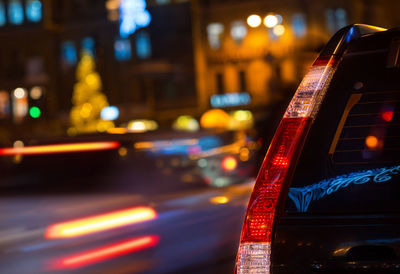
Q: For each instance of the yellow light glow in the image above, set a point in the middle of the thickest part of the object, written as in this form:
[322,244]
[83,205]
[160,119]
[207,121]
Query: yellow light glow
[18,143]
[244,154]
[122,151]
[229,163]
[215,118]
[116,130]
[142,125]
[186,123]
[372,142]
[270,21]
[278,30]
[99,223]
[36,93]
[137,127]
[254,20]
[219,200]
[59,148]
[86,110]
[143,145]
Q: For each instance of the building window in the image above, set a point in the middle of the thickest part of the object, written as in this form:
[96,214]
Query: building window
[238,31]
[122,49]
[220,83]
[68,53]
[88,44]
[299,25]
[242,81]
[33,10]
[143,45]
[214,34]
[2,14]
[15,12]
[335,19]
[341,18]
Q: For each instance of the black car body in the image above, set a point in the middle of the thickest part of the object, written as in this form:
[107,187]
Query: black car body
[326,199]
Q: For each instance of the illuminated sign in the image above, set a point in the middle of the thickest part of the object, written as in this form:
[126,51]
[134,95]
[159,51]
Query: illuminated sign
[133,15]
[303,196]
[230,100]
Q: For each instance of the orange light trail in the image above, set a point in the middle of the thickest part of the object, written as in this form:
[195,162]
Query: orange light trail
[106,253]
[97,223]
[58,148]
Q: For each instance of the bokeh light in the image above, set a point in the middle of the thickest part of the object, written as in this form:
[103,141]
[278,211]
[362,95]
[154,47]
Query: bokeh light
[387,116]
[36,93]
[19,93]
[215,118]
[186,123]
[109,113]
[35,112]
[229,163]
[219,200]
[142,125]
[254,20]
[270,21]
[371,142]
[278,30]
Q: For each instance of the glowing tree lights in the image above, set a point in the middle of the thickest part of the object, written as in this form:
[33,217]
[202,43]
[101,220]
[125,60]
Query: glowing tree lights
[87,99]
[133,15]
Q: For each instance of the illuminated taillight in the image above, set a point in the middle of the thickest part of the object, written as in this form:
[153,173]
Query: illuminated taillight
[229,163]
[100,222]
[58,148]
[255,244]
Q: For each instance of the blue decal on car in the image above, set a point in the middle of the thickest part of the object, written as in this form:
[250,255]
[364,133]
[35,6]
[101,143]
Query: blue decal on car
[303,196]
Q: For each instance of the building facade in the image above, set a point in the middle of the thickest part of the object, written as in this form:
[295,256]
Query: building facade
[267,60]
[189,52]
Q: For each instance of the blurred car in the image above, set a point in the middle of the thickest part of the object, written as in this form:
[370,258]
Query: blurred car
[326,199]
[122,203]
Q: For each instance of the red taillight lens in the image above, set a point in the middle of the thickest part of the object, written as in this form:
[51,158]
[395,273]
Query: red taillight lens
[261,209]
[255,245]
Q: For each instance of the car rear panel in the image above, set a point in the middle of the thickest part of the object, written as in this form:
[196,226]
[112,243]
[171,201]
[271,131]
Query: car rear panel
[342,211]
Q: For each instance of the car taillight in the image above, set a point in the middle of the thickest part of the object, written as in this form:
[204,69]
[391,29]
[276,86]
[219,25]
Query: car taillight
[255,244]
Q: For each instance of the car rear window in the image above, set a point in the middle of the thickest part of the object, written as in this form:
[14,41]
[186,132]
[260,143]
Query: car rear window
[351,161]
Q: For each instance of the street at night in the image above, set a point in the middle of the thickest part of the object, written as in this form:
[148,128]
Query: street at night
[199,136]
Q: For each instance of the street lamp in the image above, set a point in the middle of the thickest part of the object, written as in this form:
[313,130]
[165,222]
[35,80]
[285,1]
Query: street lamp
[254,20]
[271,21]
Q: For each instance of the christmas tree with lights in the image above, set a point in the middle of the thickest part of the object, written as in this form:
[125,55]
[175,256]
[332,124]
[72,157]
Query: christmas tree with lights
[87,99]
